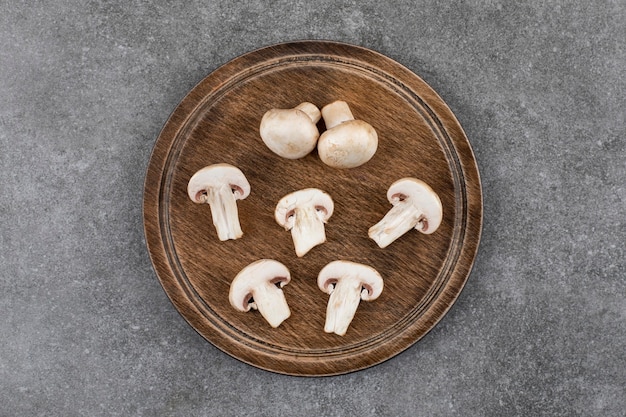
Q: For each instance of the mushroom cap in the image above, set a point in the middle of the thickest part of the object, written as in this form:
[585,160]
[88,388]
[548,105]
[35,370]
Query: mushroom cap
[217,175]
[261,272]
[370,279]
[348,145]
[422,196]
[315,197]
[290,133]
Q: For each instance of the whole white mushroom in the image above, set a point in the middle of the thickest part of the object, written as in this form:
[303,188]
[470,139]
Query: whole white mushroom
[291,133]
[347,143]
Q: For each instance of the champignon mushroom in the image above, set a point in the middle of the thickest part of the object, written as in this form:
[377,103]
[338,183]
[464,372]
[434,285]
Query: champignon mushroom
[259,286]
[304,212]
[347,283]
[291,133]
[220,186]
[347,143]
[415,205]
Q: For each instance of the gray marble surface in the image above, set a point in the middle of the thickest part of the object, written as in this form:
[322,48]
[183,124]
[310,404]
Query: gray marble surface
[87,330]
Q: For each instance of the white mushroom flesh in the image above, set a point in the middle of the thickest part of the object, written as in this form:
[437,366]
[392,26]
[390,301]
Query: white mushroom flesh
[401,218]
[308,229]
[259,286]
[347,283]
[415,205]
[220,186]
[305,212]
[270,301]
[342,305]
[224,212]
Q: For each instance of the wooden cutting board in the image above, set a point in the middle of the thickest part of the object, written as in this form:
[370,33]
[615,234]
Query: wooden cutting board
[218,122]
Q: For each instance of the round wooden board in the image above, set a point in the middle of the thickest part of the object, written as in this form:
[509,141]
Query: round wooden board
[218,121]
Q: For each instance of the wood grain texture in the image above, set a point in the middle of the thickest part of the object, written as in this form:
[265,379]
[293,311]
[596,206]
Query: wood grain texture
[218,121]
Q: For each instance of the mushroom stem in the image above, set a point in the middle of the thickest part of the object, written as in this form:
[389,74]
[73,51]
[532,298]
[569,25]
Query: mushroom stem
[271,303]
[401,218]
[311,110]
[336,113]
[308,229]
[342,305]
[224,212]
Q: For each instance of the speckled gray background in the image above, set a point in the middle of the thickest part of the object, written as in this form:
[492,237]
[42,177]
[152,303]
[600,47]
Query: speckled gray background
[86,329]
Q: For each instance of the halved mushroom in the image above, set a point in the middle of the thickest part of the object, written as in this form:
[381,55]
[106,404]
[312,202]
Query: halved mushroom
[259,286]
[347,283]
[291,133]
[304,212]
[220,186]
[415,205]
[347,143]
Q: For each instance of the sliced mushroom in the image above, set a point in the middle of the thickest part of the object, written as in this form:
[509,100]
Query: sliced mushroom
[347,283]
[259,286]
[304,212]
[347,143]
[415,205]
[220,186]
[291,133]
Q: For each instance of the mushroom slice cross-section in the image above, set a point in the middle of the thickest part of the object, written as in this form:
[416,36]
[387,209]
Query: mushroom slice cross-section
[347,283]
[259,286]
[415,205]
[220,186]
[291,133]
[347,143]
[304,212]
